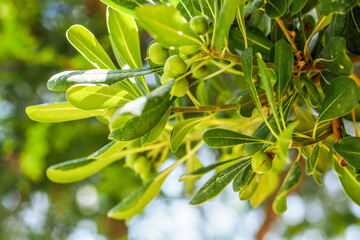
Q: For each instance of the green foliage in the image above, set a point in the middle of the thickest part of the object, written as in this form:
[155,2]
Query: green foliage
[196,49]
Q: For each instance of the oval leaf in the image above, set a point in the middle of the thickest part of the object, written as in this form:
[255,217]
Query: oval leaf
[349,149]
[275,8]
[86,43]
[312,160]
[64,80]
[218,138]
[59,112]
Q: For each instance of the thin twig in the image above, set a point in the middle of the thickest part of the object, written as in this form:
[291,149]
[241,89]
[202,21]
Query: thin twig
[211,108]
[287,35]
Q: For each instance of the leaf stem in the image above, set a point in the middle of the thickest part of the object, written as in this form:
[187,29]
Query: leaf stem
[227,107]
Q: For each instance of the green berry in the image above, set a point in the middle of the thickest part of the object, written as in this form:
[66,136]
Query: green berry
[175,66]
[130,160]
[158,54]
[199,73]
[141,165]
[199,25]
[166,78]
[261,163]
[189,49]
[180,88]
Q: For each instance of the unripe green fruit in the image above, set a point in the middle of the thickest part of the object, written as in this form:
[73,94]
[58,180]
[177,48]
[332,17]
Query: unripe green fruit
[130,160]
[175,66]
[189,49]
[141,165]
[199,25]
[180,88]
[158,54]
[261,163]
[199,73]
[166,78]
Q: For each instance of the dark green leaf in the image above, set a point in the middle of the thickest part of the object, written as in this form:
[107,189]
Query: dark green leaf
[291,181]
[207,7]
[217,183]
[296,6]
[243,179]
[253,6]
[59,112]
[141,115]
[167,25]
[64,80]
[245,104]
[347,177]
[275,8]
[342,97]
[312,160]
[186,7]
[218,138]
[312,92]
[86,43]
[335,58]
[339,6]
[157,130]
[349,149]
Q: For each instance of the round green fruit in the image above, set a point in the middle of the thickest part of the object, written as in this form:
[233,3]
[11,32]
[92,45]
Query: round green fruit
[158,54]
[180,88]
[189,49]
[199,25]
[199,73]
[166,78]
[175,66]
[141,165]
[261,163]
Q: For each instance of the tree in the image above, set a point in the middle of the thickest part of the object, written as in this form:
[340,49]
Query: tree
[222,69]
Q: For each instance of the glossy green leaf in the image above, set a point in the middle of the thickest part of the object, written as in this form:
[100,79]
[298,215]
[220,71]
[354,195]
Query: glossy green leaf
[90,96]
[347,177]
[167,25]
[266,77]
[219,138]
[256,40]
[217,183]
[335,58]
[124,34]
[245,104]
[243,179]
[59,112]
[134,203]
[342,97]
[292,179]
[349,149]
[284,62]
[296,6]
[312,160]
[226,17]
[339,6]
[141,115]
[186,7]
[202,171]
[86,43]
[252,6]
[249,190]
[78,169]
[126,6]
[275,8]
[64,80]
[312,93]
[181,129]
[157,130]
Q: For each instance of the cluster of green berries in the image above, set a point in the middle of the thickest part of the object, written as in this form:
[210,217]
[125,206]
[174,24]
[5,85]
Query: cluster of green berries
[174,65]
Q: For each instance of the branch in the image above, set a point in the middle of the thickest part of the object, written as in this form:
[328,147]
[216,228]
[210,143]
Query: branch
[287,35]
[312,141]
[212,108]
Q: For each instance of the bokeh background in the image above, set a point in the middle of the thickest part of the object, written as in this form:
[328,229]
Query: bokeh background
[33,47]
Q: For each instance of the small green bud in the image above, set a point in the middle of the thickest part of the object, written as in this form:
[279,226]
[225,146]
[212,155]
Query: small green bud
[261,163]
[199,25]
[158,54]
[175,66]
[180,88]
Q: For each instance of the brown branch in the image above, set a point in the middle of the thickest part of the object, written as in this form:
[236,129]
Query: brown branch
[212,108]
[287,35]
[312,141]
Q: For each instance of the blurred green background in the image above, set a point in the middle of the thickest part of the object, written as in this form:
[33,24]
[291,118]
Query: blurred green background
[33,47]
